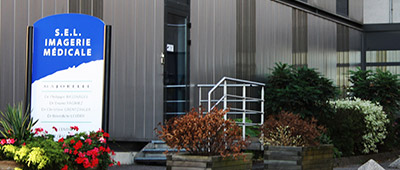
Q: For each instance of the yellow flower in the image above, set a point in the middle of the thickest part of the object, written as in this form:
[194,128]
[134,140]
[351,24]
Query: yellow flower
[37,157]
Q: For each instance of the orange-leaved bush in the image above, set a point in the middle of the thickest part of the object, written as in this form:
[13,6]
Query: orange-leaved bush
[288,129]
[203,134]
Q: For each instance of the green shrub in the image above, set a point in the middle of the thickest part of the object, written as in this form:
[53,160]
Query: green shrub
[384,88]
[298,90]
[357,126]
[380,86]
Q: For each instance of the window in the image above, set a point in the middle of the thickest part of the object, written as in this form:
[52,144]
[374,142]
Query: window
[342,7]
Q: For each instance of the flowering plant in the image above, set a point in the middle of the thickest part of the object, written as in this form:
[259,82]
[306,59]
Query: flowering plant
[38,151]
[87,150]
[375,120]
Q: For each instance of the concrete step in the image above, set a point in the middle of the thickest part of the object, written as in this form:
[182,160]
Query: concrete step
[153,153]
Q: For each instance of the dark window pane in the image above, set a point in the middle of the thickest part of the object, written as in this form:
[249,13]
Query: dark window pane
[342,7]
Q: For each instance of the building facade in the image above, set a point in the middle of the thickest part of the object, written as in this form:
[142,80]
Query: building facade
[162,49]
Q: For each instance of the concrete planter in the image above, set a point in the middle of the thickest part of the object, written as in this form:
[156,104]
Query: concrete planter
[298,158]
[185,162]
[9,165]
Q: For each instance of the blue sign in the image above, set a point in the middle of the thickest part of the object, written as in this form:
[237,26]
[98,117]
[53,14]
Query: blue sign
[65,40]
[68,73]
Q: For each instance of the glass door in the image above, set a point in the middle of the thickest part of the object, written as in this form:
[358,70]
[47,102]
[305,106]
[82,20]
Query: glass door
[176,68]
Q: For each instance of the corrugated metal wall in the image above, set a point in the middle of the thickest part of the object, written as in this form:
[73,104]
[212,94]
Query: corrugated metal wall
[15,16]
[246,40]
[273,35]
[213,49]
[136,102]
[300,37]
[89,7]
[322,46]
[343,58]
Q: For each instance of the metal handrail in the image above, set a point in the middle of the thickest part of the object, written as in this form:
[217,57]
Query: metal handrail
[243,98]
[224,79]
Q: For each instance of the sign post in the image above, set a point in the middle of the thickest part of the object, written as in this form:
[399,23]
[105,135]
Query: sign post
[68,73]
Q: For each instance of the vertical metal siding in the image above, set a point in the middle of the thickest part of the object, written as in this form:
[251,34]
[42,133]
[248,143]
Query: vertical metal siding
[213,49]
[89,7]
[356,8]
[343,58]
[274,35]
[322,46]
[7,63]
[136,102]
[300,37]
[15,16]
[245,44]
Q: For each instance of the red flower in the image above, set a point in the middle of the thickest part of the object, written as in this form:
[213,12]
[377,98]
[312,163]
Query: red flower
[94,153]
[72,141]
[79,160]
[60,140]
[24,144]
[75,152]
[102,149]
[110,165]
[55,128]
[65,167]
[86,163]
[119,163]
[3,141]
[37,130]
[100,130]
[95,162]
[75,128]
[80,154]
[89,141]
[78,145]
[106,135]
[108,150]
[10,141]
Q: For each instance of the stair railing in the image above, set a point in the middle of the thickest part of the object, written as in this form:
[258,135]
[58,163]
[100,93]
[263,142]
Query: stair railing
[226,98]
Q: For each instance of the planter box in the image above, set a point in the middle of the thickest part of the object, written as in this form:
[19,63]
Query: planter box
[298,158]
[193,162]
[9,165]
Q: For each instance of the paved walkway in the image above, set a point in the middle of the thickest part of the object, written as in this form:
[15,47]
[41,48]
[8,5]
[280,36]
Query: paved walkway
[149,167]
[355,167]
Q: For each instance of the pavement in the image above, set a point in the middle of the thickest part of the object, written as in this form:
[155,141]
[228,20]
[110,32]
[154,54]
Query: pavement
[385,165]
[155,167]
[137,167]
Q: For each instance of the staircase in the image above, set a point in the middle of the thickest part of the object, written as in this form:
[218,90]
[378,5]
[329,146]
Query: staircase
[244,99]
[153,153]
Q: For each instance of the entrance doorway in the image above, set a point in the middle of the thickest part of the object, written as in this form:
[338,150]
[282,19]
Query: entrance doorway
[176,51]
